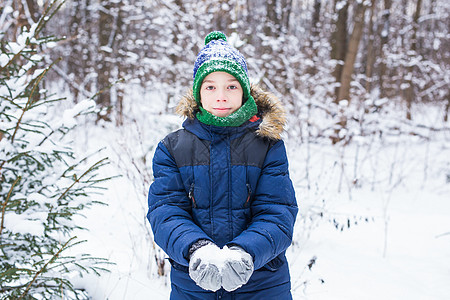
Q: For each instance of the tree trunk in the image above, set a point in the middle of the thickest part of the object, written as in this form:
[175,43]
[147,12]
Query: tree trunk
[33,9]
[316,18]
[430,31]
[21,19]
[121,41]
[74,64]
[352,51]
[222,17]
[105,40]
[447,107]
[272,23]
[370,61]
[384,39]
[339,42]
[286,15]
[409,92]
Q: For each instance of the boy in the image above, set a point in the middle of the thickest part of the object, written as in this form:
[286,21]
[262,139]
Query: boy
[222,205]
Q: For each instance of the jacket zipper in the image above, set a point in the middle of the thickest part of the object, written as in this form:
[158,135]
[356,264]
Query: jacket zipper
[249,192]
[191,195]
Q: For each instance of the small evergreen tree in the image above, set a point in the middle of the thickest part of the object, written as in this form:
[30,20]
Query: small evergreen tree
[43,183]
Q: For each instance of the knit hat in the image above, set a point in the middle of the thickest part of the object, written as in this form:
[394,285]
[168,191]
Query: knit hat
[219,56]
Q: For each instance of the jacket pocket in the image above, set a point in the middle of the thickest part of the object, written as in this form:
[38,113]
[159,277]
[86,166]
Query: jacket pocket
[178,266]
[274,264]
[191,195]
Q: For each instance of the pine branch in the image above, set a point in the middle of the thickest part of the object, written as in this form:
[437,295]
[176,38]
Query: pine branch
[44,254]
[47,16]
[2,226]
[77,180]
[54,257]
[41,24]
[29,103]
[107,88]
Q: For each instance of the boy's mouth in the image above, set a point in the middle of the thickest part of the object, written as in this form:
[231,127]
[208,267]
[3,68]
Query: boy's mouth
[222,110]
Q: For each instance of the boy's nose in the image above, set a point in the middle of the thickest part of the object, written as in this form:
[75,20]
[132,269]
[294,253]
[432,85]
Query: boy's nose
[221,96]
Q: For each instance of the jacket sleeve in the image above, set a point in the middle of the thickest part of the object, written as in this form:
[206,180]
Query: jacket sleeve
[274,210]
[169,209]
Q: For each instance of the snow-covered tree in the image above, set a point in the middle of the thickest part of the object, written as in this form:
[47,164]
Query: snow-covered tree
[43,183]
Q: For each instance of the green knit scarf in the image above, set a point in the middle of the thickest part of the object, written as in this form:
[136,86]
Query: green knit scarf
[244,113]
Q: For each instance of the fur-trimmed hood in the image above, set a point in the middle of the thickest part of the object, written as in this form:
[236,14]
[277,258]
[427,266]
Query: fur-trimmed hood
[269,106]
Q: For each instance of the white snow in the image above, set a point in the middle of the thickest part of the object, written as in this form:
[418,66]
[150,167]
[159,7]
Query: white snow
[340,4]
[81,107]
[4,59]
[373,217]
[24,223]
[214,255]
[397,193]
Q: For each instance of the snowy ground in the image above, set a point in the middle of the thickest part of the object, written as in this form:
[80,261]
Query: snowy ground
[399,248]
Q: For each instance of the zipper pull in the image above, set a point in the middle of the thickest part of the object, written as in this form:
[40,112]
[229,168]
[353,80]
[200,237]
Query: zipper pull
[249,193]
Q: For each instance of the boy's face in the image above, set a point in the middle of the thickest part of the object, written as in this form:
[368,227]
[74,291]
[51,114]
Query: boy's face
[221,94]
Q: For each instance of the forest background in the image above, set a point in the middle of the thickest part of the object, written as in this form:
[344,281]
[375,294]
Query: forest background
[366,86]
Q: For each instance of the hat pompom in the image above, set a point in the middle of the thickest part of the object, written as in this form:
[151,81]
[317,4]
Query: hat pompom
[215,35]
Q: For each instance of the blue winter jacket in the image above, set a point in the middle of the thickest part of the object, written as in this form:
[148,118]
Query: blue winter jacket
[229,185]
